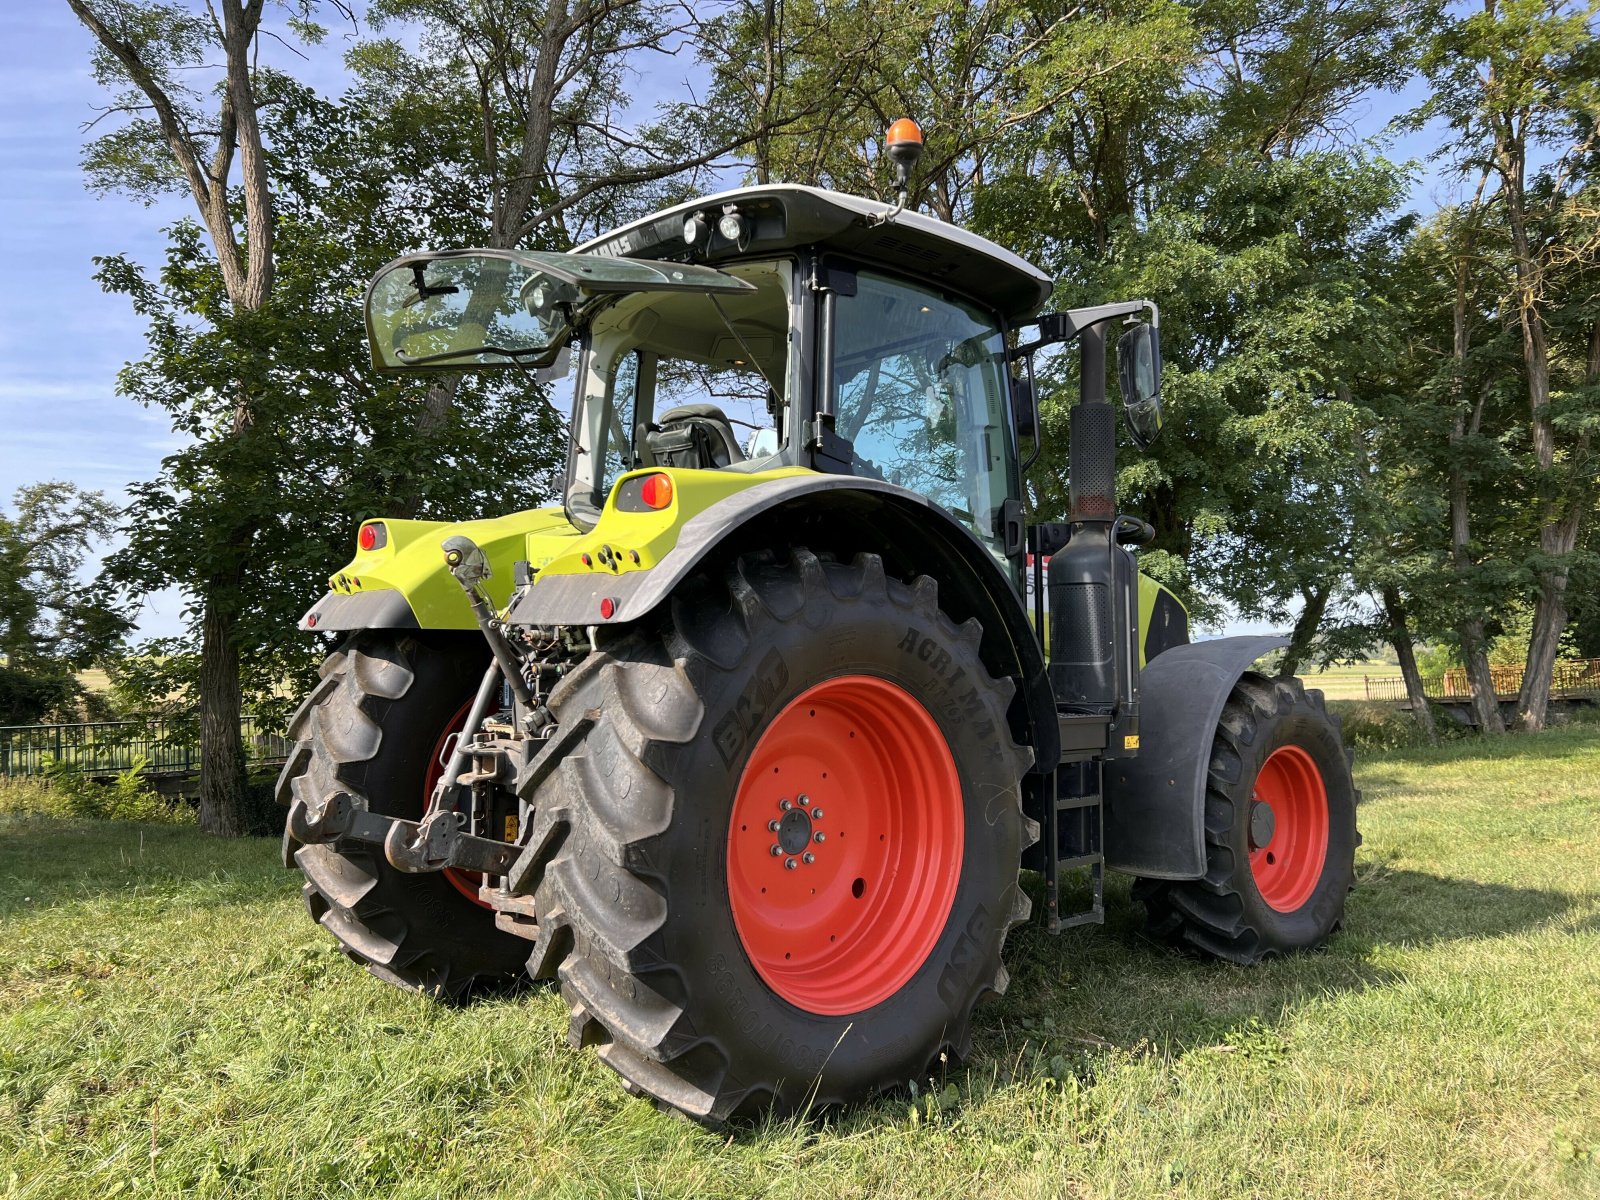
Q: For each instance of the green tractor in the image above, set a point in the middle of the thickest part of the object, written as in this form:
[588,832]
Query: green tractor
[749,741]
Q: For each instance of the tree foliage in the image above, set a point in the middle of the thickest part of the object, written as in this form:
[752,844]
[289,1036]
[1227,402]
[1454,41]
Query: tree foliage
[53,621]
[1380,424]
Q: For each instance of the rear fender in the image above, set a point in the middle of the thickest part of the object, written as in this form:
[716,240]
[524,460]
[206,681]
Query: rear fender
[846,515]
[1155,801]
[404,584]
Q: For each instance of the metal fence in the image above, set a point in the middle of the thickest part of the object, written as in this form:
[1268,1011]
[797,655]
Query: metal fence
[1570,680]
[108,747]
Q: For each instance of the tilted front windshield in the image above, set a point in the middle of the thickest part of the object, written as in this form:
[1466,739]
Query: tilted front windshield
[684,380]
[919,392]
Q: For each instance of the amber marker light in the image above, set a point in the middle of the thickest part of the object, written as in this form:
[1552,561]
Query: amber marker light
[903,143]
[902,132]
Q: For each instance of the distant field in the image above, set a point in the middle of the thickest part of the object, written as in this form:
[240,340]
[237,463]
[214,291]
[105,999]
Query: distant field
[1345,682]
[171,1024]
[95,680]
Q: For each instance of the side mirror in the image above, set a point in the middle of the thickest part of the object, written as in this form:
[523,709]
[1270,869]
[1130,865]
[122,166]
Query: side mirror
[1023,405]
[1139,369]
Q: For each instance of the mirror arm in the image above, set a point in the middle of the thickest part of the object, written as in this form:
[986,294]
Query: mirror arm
[1055,328]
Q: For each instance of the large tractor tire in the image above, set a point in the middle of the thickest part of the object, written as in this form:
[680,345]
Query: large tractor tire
[1280,832]
[375,726]
[779,870]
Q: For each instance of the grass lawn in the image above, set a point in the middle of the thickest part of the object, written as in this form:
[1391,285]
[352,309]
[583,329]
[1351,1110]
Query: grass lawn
[171,1024]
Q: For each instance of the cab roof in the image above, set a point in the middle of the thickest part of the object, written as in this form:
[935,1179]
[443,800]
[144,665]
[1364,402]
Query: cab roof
[789,216]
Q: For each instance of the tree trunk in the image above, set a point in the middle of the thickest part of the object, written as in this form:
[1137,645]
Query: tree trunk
[1558,537]
[221,751]
[1399,635]
[1469,630]
[1305,629]
[1557,528]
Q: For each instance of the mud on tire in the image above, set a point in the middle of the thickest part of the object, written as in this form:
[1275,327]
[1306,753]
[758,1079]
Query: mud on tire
[628,856]
[1224,914]
[370,727]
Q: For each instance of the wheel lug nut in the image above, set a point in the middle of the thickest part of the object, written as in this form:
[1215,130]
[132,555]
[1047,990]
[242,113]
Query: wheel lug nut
[808,858]
[789,864]
[784,804]
[819,836]
[816,814]
[802,798]
[773,826]
[776,850]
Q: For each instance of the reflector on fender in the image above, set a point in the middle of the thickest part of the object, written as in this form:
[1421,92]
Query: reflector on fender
[656,491]
[374,535]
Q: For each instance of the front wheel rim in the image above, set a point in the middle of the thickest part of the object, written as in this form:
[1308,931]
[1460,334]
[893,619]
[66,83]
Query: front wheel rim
[845,846]
[1292,833]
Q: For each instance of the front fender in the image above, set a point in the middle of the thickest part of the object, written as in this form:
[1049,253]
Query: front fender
[1155,801]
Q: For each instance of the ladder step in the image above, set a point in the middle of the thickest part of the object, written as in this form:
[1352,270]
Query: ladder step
[1068,803]
[1081,860]
[1094,916]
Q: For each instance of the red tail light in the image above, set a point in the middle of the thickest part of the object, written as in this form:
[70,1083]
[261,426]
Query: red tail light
[657,491]
[373,536]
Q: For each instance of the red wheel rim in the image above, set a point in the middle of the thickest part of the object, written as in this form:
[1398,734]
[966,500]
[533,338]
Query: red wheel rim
[855,773]
[1288,828]
[465,882]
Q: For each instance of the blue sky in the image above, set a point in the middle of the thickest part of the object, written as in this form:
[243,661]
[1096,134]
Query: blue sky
[62,340]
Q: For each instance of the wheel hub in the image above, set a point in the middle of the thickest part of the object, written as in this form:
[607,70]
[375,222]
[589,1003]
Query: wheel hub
[1262,824]
[794,831]
[465,882]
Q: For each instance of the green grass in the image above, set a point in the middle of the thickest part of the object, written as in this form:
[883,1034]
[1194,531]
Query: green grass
[171,1024]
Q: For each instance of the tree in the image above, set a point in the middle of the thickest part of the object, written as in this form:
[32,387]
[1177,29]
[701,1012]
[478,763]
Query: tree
[52,623]
[1511,81]
[1212,174]
[526,101]
[330,439]
[150,54]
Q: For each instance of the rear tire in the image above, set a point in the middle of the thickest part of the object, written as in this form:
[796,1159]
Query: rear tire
[636,836]
[1280,832]
[371,727]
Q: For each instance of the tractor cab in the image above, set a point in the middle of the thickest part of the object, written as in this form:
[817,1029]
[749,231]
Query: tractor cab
[765,327]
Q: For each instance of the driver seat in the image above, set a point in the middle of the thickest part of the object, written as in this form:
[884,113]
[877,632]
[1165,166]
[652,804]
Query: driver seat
[694,435]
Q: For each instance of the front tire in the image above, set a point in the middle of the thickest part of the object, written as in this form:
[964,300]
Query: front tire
[721,978]
[1280,832]
[373,727]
